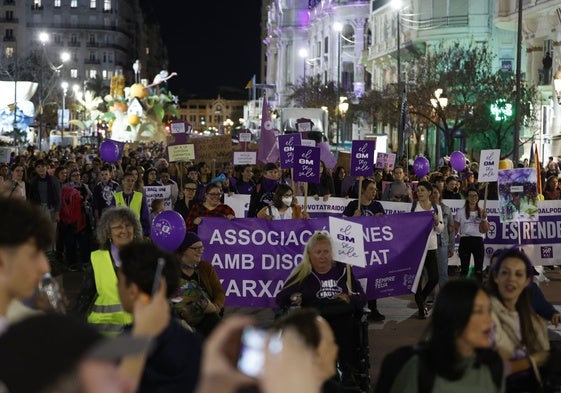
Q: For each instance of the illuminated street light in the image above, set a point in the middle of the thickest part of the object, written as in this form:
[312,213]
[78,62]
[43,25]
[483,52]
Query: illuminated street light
[303,53]
[439,103]
[64,86]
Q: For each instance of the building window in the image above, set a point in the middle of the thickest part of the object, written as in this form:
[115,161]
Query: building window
[9,52]
[106,5]
[74,73]
[9,34]
[57,39]
[37,4]
[74,56]
[93,4]
[104,74]
[92,39]
[74,20]
[74,3]
[9,15]
[57,3]
[92,74]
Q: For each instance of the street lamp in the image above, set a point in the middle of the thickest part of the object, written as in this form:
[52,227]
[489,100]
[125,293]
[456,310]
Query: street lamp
[64,86]
[303,53]
[338,28]
[397,5]
[343,108]
[64,57]
[439,103]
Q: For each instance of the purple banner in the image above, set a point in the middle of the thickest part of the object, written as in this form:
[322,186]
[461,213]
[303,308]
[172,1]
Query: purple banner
[287,143]
[306,164]
[362,158]
[253,256]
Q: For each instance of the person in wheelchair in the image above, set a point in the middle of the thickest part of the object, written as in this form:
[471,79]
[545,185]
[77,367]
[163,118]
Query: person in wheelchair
[320,282]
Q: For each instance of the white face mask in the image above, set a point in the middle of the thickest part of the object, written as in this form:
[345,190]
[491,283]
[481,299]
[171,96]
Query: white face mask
[287,201]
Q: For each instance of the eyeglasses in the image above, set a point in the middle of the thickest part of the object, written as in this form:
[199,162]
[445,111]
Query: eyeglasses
[190,189]
[200,248]
[288,195]
[214,194]
[121,227]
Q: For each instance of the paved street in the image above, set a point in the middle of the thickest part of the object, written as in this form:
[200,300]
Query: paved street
[400,328]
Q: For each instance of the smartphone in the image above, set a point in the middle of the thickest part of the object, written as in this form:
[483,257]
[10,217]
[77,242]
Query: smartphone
[252,353]
[158,275]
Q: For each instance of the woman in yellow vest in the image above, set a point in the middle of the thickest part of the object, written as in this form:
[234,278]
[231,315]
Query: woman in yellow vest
[99,299]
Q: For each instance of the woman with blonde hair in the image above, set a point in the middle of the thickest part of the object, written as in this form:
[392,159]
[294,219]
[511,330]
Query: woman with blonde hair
[321,283]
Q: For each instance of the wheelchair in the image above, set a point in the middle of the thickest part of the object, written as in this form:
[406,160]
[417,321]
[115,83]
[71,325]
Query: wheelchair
[359,379]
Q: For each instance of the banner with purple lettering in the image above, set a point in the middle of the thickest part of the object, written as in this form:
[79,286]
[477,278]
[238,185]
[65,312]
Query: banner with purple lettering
[253,257]
[362,158]
[306,164]
[286,146]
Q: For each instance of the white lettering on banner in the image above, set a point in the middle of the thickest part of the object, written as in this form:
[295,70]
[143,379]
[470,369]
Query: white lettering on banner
[245,237]
[379,257]
[234,261]
[278,262]
[377,234]
[383,282]
[532,230]
[253,288]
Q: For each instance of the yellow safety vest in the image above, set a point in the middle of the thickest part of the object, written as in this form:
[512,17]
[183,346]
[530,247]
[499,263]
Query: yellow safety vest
[107,314]
[136,201]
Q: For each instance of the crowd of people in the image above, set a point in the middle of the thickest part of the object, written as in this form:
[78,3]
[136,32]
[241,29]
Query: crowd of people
[487,334]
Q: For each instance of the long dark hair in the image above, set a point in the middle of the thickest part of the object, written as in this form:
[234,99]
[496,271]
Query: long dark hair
[279,192]
[466,205]
[451,314]
[523,304]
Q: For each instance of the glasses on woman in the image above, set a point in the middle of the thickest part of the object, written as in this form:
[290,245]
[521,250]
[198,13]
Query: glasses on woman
[197,249]
[214,194]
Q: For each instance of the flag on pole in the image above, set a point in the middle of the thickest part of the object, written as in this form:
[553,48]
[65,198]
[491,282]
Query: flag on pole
[268,145]
[405,119]
[538,170]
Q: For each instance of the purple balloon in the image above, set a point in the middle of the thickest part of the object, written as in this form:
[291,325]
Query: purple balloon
[421,166]
[458,161]
[109,151]
[168,230]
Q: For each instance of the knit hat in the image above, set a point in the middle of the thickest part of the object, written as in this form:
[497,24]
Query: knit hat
[53,346]
[190,239]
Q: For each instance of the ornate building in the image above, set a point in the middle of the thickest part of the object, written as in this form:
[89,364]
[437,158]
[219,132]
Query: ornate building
[315,38]
[99,35]
[541,35]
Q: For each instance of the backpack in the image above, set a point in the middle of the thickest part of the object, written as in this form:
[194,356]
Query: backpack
[414,206]
[71,212]
[393,362]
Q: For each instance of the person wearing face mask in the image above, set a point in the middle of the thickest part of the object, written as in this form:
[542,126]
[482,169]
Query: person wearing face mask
[284,206]
[263,192]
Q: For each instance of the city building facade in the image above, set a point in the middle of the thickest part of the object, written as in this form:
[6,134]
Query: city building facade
[215,115]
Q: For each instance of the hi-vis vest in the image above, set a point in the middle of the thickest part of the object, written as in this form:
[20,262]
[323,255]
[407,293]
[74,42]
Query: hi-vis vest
[107,314]
[136,201]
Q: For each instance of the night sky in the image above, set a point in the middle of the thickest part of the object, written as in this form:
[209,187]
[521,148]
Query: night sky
[213,45]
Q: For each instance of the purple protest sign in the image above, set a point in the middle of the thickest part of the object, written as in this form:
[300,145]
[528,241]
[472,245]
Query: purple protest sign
[286,146]
[253,257]
[362,158]
[306,164]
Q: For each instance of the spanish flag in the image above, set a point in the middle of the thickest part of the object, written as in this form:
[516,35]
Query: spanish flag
[249,84]
[538,169]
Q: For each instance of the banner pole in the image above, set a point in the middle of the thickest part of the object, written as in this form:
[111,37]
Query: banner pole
[485,199]
[305,197]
